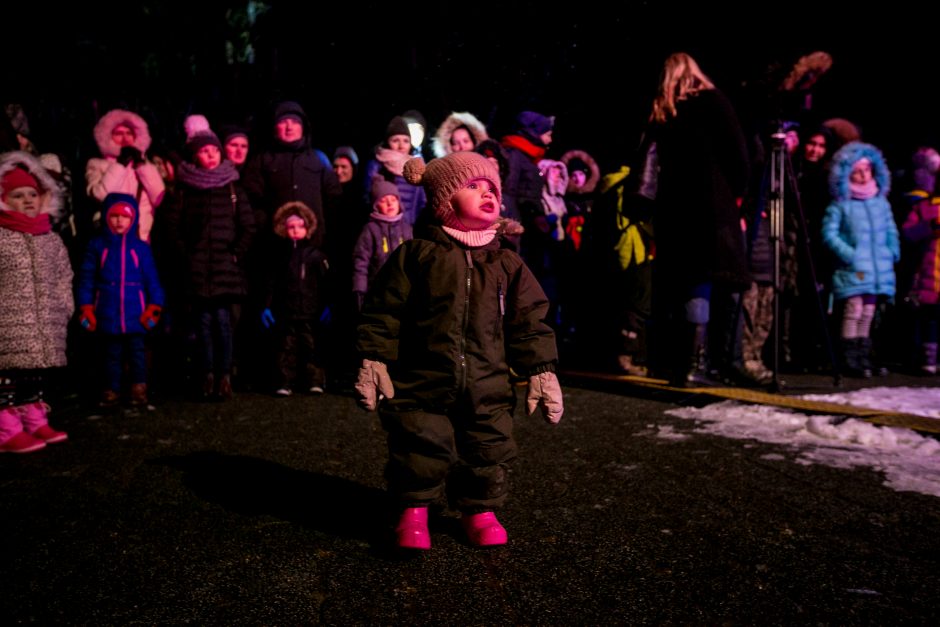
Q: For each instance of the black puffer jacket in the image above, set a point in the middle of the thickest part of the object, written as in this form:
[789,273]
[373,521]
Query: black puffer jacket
[449,322]
[211,234]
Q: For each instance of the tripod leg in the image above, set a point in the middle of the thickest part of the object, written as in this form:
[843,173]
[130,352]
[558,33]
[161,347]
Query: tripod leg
[804,242]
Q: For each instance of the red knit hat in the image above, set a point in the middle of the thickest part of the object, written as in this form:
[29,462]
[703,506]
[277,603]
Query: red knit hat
[18,177]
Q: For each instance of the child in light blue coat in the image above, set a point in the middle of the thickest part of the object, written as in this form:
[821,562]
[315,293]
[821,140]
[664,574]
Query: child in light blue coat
[859,230]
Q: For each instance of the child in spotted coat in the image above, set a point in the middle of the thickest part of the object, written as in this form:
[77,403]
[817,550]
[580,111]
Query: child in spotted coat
[36,292]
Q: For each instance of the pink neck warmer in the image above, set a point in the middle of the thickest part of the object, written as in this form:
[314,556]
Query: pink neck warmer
[864,192]
[473,239]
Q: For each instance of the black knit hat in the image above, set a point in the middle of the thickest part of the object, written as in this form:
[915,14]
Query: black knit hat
[398,126]
[200,139]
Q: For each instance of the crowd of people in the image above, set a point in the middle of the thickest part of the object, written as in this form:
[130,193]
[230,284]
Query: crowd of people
[432,275]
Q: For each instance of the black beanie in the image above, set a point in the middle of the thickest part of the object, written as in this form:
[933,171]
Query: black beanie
[398,126]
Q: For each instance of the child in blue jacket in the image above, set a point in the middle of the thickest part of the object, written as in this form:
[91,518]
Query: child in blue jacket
[859,230]
[119,296]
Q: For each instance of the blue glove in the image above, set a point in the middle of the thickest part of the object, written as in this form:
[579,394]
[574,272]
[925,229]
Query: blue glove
[326,317]
[267,318]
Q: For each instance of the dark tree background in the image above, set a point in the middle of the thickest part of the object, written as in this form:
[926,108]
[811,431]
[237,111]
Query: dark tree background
[353,65]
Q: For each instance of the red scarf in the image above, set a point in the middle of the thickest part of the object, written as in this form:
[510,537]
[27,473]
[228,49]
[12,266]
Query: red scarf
[535,153]
[16,221]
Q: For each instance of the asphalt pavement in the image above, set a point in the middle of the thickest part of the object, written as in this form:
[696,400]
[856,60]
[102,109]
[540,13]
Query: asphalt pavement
[264,511]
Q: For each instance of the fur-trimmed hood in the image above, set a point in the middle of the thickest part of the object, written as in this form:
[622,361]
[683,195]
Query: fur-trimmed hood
[594,172]
[841,168]
[562,185]
[50,200]
[440,144]
[294,208]
[113,118]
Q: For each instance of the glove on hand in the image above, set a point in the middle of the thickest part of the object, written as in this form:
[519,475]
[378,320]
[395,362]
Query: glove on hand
[151,316]
[130,156]
[267,318]
[545,392]
[87,317]
[373,384]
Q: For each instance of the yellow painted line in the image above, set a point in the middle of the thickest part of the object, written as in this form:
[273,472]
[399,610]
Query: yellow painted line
[874,416]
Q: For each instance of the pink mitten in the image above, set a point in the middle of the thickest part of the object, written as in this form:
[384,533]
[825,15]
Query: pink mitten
[545,392]
[373,384]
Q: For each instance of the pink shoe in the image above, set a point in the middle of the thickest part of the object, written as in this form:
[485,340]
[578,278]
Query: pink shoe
[412,529]
[35,418]
[12,437]
[484,530]
[22,442]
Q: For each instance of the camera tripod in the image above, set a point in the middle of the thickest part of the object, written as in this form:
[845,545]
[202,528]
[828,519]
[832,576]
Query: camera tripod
[779,180]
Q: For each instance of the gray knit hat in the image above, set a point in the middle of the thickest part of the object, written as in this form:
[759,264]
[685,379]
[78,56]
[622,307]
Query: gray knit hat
[382,188]
[443,177]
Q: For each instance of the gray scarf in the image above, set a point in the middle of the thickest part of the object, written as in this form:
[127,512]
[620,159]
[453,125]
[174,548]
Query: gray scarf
[200,178]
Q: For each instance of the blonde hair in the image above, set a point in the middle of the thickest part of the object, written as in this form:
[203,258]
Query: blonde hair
[681,78]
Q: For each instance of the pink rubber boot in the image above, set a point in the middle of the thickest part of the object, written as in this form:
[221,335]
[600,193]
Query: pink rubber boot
[36,422]
[412,530]
[12,437]
[484,530]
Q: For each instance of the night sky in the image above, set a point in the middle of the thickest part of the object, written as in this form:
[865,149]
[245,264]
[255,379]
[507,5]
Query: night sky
[355,65]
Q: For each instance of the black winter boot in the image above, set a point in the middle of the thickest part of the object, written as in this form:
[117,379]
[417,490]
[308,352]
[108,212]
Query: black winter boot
[851,358]
[867,359]
[698,374]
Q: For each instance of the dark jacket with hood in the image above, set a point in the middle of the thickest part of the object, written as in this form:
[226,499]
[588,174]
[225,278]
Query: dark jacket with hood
[449,321]
[298,272]
[291,172]
[118,276]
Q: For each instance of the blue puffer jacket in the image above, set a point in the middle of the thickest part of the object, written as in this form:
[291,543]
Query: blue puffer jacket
[861,234]
[119,277]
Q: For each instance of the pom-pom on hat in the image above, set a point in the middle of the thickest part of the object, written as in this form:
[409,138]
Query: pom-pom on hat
[443,177]
[18,177]
[195,124]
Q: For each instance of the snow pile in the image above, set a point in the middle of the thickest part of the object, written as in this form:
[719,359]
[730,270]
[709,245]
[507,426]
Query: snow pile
[910,461]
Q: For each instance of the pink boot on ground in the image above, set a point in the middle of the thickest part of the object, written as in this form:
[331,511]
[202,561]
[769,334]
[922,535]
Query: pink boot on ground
[36,422]
[484,530]
[12,437]
[412,530]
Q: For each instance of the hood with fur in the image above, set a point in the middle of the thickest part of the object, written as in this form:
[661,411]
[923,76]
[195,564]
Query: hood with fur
[841,168]
[594,172]
[440,144]
[558,188]
[113,118]
[50,200]
[294,208]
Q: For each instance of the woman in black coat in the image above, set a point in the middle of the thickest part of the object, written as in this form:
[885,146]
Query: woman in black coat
[701,264]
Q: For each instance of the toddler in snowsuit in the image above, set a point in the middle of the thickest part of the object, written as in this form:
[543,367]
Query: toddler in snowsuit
[445,319]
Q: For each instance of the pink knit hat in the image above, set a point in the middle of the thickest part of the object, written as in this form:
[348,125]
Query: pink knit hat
[443,177]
